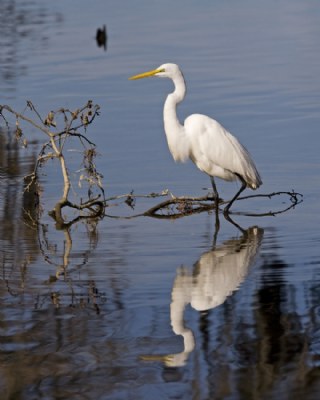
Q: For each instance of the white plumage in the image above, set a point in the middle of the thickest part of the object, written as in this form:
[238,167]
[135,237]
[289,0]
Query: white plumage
[203,140]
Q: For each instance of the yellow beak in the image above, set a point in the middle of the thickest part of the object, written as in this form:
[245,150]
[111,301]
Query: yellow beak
[146,74]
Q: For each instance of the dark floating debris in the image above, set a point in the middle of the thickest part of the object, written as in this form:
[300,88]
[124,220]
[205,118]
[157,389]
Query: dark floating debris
[102,37]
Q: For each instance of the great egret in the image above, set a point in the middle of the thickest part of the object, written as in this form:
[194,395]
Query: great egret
[216,275]
[203,140]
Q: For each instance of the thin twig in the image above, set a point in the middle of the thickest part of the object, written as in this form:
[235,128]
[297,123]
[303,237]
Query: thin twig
[136,196]
[29,120]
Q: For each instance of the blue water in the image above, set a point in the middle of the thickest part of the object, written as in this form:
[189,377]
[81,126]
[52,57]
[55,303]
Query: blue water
[149,308]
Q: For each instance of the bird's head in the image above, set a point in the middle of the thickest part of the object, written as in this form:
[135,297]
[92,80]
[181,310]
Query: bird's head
[164,71]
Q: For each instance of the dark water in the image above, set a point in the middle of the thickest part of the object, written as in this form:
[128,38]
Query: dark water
[147,308]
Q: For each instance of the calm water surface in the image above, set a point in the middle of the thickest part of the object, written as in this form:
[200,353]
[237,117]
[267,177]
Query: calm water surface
[146,308]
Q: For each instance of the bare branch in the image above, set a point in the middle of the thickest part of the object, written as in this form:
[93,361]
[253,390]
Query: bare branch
[178,207]
[54,149]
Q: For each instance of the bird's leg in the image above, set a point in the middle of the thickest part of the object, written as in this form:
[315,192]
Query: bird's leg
[228,218]
[243,186]
[214,187]
[215,192]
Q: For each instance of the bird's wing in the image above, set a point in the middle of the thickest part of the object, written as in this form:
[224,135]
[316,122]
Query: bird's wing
[213,149]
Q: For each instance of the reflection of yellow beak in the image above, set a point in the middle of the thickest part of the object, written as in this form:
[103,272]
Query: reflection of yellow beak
[155,357]
[166,358]
[146,74]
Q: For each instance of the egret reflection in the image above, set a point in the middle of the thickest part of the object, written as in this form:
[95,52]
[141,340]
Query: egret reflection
[215,276]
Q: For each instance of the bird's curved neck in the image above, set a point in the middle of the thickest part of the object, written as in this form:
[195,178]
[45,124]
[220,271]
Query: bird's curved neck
[173,128]
[173,99]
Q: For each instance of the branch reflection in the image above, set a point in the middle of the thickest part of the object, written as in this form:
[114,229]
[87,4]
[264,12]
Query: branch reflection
[63,287]
[25,239]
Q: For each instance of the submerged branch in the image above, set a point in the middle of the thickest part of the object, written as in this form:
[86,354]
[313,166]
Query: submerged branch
[94,206]
[190,205]
[136,196]
[178,207]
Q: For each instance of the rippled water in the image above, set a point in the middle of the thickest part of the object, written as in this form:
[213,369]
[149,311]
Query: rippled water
[150,308]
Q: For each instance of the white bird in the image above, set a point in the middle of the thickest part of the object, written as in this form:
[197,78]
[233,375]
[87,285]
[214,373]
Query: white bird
[208,144]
